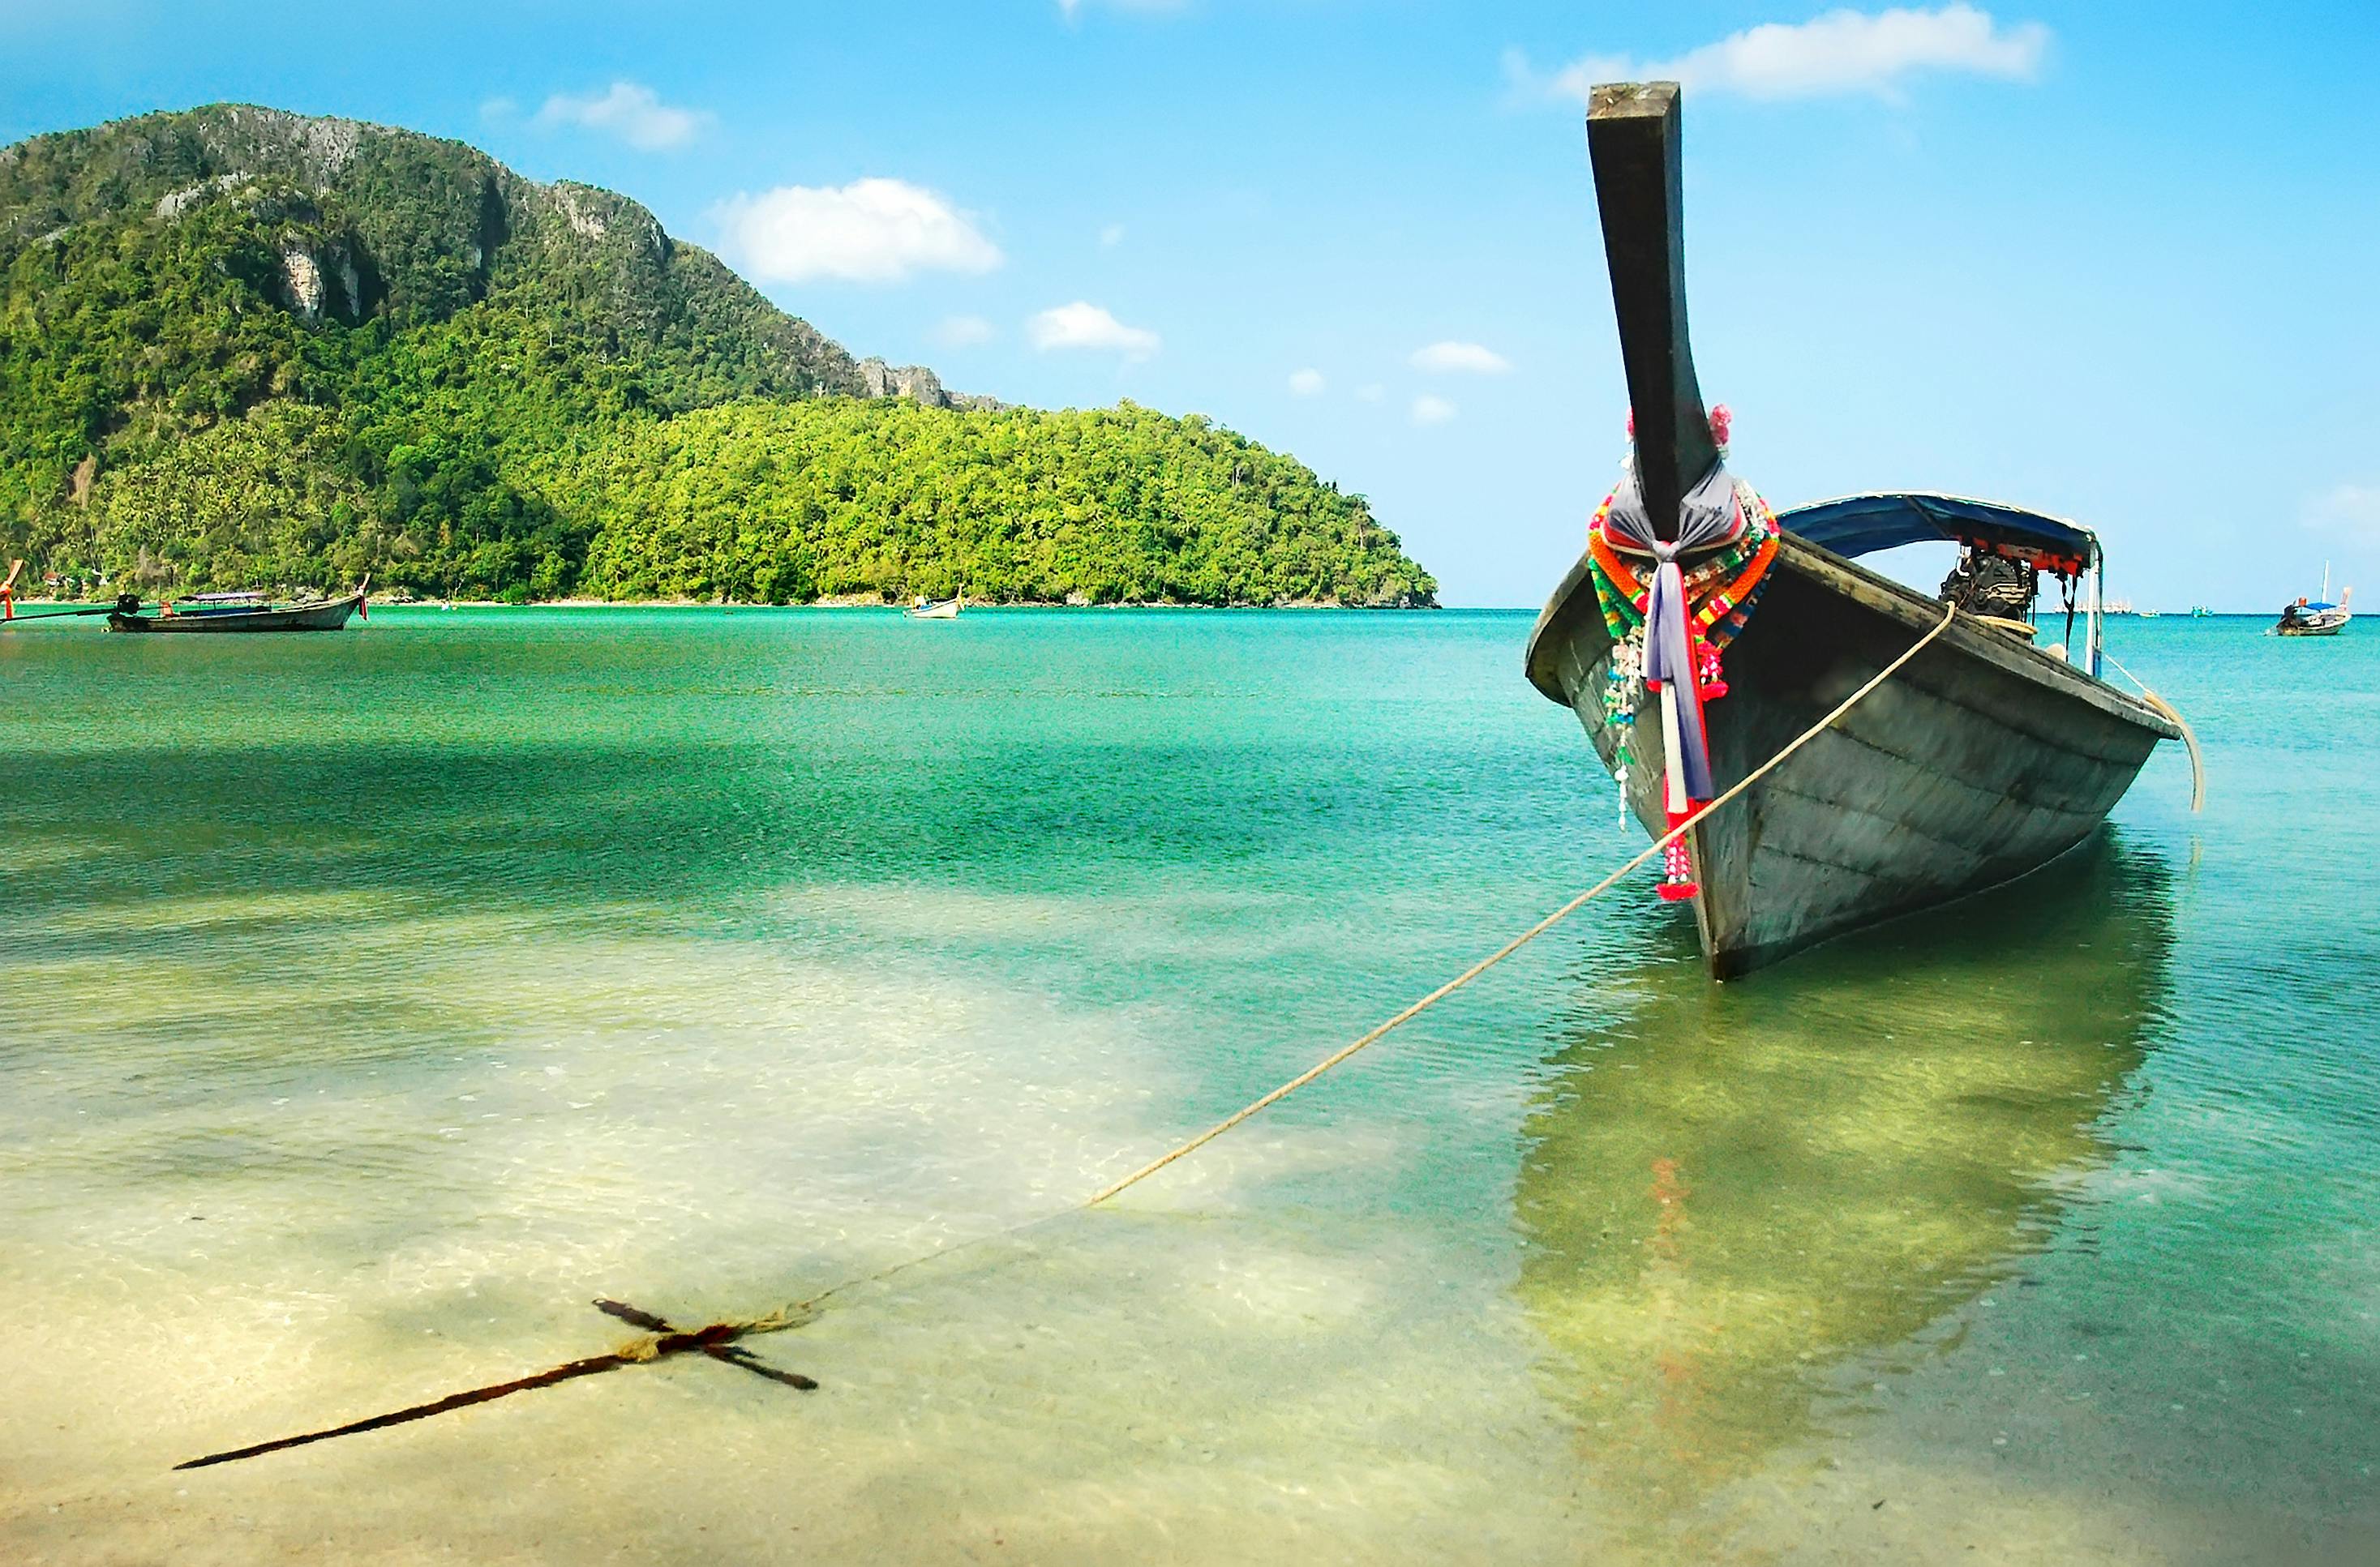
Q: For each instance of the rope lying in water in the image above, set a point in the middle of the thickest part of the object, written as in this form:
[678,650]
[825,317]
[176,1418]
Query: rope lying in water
[718,1340]
[2189,739]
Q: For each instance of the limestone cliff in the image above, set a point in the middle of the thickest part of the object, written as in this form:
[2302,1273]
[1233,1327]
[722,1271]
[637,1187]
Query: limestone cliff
[370,221]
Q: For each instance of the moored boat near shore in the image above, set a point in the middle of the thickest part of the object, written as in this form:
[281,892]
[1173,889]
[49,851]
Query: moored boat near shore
[238,612]
[1985,757]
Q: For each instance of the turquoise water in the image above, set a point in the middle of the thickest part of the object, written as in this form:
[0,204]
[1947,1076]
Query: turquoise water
[369,1003]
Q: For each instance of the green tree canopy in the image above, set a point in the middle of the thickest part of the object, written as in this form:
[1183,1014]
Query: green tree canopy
[241,347]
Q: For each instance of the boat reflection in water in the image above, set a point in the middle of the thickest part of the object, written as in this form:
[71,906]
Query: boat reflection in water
[1742,1189]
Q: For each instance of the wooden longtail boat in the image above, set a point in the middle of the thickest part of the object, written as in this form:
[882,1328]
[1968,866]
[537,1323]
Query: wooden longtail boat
[2317,617]
[1980,760]
[239,612]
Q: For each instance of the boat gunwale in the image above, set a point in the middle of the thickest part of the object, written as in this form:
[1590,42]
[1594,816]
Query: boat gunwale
[1896,600]
[221,619]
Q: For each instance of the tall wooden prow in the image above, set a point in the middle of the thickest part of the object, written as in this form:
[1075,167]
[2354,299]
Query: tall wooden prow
[1632,140]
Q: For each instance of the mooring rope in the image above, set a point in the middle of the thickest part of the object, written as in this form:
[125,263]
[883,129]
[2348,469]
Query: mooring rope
[2189,739]
[1532,933]
[717,1338]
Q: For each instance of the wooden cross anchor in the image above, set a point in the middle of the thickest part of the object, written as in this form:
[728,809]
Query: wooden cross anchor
[717,1341]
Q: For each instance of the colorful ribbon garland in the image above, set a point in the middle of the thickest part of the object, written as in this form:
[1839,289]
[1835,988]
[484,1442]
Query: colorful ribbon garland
[1672,624]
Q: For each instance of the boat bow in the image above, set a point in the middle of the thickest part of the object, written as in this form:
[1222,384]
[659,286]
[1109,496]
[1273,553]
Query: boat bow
[1983,758]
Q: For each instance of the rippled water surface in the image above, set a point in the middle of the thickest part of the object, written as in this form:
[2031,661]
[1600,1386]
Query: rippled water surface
[369,1003]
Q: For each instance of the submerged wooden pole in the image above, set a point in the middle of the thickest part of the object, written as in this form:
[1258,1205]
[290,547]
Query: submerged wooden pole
[716,1341]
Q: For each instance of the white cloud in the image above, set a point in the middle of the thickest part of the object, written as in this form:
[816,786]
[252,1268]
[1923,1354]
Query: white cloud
[632,113]
[1526,84]
[1842,51]
[2350,510]
[868,231]
[1466,357]
[962,331]
[1428,410]
[1371,391]
[1083,325]
[1111,236]
[496,109]
[1306,383]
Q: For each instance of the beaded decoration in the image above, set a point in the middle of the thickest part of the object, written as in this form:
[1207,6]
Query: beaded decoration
[1721,590]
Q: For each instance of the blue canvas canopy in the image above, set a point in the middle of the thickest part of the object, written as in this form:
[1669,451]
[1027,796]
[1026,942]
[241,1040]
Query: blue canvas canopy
[1861,525]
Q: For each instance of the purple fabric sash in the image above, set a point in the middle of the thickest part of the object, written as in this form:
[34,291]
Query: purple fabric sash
[1707,517]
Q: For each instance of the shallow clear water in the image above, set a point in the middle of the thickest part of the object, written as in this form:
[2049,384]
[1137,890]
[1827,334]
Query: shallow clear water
[369,1003]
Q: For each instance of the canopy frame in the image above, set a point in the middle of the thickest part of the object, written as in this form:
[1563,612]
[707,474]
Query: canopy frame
[1853,525]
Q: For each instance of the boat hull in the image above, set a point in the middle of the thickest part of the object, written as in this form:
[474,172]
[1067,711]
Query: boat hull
[329,616]
[1979,761]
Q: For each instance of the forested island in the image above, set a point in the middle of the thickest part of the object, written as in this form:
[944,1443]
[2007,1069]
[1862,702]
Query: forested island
[241,347]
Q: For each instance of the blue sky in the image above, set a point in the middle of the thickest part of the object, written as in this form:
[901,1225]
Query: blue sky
[2114,262]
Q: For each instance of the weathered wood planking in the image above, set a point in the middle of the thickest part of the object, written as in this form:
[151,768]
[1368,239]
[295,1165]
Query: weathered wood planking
[1979,761]
[1982,760]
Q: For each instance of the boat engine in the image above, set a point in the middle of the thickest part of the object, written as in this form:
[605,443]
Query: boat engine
[1985,583]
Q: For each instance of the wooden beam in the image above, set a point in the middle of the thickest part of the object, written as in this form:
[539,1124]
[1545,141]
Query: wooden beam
[718,1341]
[1632,142]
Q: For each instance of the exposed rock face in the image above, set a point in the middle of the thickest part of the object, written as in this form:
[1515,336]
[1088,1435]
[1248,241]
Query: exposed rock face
[918,383]
[906,381]
[467,229]
[323,145]
[304,284]
[301,276]
[594,214]
[330,144]
[587,223]
[174,204]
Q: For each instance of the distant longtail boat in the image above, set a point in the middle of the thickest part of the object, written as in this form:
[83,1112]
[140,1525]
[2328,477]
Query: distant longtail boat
[238,612]
[2317,617]
[1732,630]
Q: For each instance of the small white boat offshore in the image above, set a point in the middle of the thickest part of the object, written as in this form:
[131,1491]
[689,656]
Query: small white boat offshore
[930,609]
[2315,617]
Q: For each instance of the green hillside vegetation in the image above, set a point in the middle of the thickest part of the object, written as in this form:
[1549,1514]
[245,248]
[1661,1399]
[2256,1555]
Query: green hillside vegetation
[241,347]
